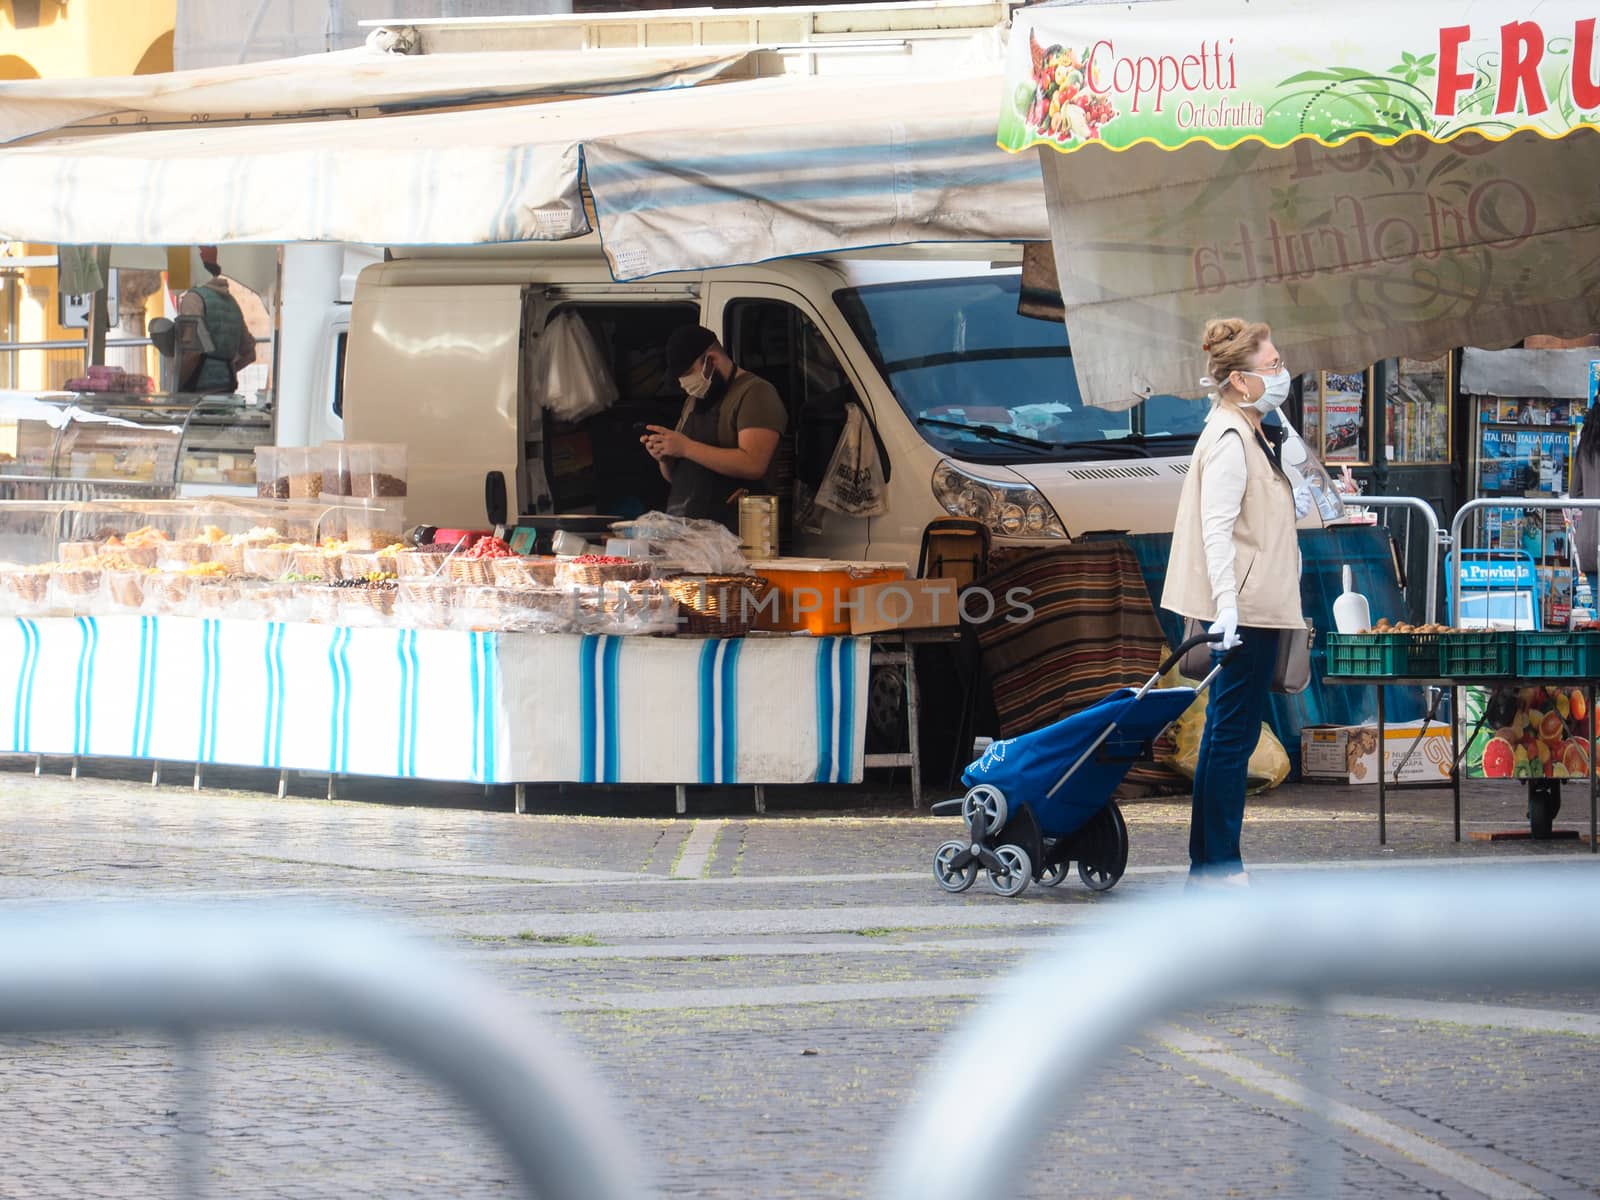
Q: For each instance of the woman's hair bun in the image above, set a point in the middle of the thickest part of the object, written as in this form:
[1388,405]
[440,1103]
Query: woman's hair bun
[1219,332]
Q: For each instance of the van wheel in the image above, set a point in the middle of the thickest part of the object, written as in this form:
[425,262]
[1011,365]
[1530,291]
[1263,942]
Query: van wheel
[886,709]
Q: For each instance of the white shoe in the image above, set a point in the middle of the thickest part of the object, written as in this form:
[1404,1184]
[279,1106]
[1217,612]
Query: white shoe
[1237,879]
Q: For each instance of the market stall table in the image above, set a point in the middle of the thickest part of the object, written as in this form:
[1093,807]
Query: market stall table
[1455,682]
[486,707]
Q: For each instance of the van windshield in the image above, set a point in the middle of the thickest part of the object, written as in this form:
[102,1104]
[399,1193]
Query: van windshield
[983,382]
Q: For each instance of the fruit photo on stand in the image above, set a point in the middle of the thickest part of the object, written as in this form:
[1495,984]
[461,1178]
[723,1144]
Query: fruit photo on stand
[1528,733]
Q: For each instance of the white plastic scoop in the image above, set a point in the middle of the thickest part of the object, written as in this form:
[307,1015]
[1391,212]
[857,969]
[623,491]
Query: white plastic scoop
[1351,613]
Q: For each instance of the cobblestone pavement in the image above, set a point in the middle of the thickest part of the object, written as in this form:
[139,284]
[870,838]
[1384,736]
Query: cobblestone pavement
[763,996]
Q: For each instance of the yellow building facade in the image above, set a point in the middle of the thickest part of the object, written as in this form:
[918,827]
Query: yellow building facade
[58,39]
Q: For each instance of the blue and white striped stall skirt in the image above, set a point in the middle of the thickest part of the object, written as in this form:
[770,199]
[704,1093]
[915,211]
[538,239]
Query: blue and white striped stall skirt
[480,707]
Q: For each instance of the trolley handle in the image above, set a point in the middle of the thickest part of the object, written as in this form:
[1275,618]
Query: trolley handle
[1199,639]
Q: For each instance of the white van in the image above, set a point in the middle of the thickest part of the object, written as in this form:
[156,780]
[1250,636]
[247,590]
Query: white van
[975,406]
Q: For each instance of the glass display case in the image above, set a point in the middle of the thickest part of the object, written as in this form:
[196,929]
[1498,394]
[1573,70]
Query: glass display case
[85,447]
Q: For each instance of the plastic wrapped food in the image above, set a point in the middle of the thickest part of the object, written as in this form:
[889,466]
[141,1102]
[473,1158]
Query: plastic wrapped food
[520,572]
[125,589]
[680,545]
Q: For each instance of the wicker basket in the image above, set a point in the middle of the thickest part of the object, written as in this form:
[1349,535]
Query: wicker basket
[230,555]
[142,556]
[126,588]
[79,581]
[377,600]
[267,564]
[169,591]
[717,605]
[418,564]
[177,555]
[316,563]
[216,597]
[30,587]
[323,603]
[360,564]
[523,572]
[470,570]
[430,591]
[69,552]
[576,574]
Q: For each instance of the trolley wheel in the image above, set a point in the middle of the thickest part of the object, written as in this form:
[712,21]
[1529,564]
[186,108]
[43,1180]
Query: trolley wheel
[950,878]
[1013,881]
[1104,864]
[1055,874]
[991,802]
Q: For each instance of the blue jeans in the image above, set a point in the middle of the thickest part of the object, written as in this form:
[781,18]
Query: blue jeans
[1235,708]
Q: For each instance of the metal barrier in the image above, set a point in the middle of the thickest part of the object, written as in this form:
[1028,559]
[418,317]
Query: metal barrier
[185,970]
[974,1134]
[1431,519]
[1473,506]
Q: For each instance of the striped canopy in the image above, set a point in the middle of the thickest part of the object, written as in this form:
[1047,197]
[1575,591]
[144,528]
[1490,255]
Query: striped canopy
[681,179]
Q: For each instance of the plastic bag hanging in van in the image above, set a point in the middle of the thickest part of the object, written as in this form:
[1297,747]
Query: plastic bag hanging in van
[568,377]
[854,483]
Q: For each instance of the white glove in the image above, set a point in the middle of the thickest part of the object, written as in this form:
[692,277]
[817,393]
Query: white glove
[1227,624]
[1302,502]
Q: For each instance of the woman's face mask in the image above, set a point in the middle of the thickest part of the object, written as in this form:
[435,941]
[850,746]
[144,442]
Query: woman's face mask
[1276,389]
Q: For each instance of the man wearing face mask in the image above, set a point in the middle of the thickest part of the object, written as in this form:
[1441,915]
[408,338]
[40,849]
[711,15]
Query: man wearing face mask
[725,440]
[1235,564]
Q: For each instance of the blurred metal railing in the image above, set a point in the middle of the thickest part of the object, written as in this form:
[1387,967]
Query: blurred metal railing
[1430,519]
[185,971]
[976,1131]
[1474,507]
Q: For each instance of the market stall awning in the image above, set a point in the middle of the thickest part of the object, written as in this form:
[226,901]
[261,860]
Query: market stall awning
[363,78]
[1384,180]
[681,179]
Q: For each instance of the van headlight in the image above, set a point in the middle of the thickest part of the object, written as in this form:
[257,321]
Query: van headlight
[1016,510]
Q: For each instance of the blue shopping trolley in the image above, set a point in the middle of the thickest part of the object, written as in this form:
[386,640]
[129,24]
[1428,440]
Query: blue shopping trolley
[1039,802]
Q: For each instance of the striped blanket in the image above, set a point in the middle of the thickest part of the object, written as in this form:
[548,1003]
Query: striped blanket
[1093,630]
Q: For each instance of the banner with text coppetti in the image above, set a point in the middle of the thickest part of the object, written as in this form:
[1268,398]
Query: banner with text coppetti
[1223,72]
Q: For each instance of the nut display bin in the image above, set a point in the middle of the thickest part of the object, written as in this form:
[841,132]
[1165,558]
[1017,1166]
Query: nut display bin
[377,470]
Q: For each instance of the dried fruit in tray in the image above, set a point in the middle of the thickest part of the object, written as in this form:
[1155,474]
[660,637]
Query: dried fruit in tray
[489,547]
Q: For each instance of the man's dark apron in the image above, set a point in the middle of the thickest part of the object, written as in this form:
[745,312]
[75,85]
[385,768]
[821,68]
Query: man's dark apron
[698,491]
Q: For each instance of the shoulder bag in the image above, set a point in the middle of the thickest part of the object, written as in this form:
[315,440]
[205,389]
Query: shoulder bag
[1291,673]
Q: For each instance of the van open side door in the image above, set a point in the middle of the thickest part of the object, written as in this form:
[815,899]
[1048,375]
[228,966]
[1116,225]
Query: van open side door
[437,367]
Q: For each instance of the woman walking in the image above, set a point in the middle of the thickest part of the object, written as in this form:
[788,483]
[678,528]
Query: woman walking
[1236,564]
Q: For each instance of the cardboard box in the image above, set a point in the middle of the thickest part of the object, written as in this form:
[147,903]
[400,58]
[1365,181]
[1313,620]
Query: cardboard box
[904,604]
[1349,753]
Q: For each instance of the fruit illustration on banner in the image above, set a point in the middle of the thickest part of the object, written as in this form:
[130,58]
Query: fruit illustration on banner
[1062,106]
[1527,733]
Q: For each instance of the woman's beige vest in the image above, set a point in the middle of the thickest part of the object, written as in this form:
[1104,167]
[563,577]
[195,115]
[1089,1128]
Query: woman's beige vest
[1266,567]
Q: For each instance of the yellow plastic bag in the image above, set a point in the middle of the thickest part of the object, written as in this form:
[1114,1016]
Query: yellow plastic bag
[1269,763]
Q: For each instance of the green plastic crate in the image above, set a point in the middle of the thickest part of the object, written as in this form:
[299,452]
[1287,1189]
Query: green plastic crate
[1557,654]
[1378,655]
[1484,654]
